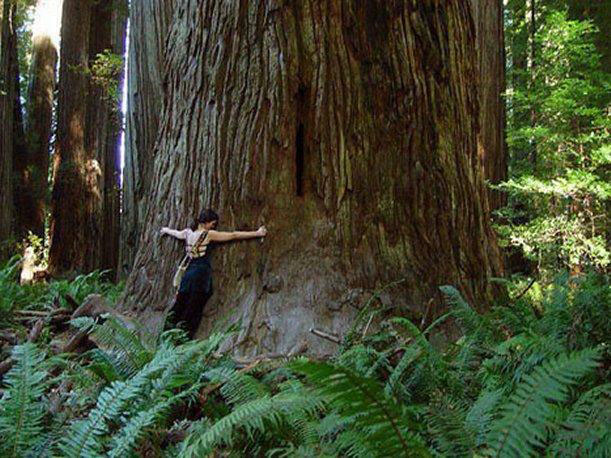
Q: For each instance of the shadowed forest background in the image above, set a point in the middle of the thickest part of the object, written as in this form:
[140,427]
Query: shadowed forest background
[434,176]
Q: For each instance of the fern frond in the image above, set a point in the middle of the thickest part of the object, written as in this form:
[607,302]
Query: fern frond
[21,407]
[83,437]
[364,400]
[585,431]
[237,387]
[122,344]
[522,425]
[258,415]
[134,430]
[480,415]
[409,356]
[446,420]
[469,320]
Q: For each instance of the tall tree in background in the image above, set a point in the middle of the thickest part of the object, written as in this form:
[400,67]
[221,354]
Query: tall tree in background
[149,22]
[83,236]
[488,18]
[7,92]
[112,152]
[103,126]
[350,129]
[75,218]
[33,164]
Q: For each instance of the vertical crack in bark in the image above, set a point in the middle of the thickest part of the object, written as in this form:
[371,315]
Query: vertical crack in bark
[300,152]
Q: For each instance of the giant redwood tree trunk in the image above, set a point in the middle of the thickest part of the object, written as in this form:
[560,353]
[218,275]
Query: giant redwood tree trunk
[488,18]
[350,129]
[149,22]
[76,201]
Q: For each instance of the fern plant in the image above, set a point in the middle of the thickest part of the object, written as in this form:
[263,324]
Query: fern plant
[522,425]
[21,406]
[388,428]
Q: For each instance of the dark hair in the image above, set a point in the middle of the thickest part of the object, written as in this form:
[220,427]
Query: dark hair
[205,216]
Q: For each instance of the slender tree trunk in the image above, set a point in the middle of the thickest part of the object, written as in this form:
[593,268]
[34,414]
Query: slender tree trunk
[149,22]
[112,155]
[532,69]
[350,129]
[76,199]
[7,92]
[488,18]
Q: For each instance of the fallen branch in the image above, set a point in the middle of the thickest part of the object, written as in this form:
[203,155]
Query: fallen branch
[9,337]
[6,365]
[325,335]
[36,330]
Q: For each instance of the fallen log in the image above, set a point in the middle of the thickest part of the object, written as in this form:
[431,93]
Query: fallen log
[9,337]
[6,365]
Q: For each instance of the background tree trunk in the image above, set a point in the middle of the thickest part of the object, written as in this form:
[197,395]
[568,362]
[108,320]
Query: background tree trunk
[348,128]
[23,200]
[149,22]
[488,18]
[112,155]
[33,176]
[7,92]
[76,199]
[107,33]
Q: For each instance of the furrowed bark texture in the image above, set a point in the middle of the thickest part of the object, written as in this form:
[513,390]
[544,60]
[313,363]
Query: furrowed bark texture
[149,22]
[350,129]
[488,18]
[76,200]
[33,177]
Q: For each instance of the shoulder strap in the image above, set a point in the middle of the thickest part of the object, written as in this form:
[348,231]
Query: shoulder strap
[197,243]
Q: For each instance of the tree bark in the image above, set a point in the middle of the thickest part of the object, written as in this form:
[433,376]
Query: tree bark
[7,91]
[488,18]
[76,199]
[350,129]
[149,22]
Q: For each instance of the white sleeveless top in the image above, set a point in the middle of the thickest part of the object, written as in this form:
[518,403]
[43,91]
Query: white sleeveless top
[190,237]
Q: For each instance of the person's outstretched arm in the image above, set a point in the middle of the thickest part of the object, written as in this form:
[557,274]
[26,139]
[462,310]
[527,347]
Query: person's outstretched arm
[174,233]
[219,236]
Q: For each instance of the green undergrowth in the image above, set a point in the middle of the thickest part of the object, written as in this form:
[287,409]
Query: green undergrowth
[527,379]
[47,295]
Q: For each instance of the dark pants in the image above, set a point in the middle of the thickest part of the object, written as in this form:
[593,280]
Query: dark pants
[195,290]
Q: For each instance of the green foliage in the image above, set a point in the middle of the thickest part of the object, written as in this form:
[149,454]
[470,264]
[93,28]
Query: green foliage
[21,405]
[558,138]
[41,296]
[525,379]
[521,427]
[105,71]
[386,427]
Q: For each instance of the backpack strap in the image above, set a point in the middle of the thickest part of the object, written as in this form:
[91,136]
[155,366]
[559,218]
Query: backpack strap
[197,244]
